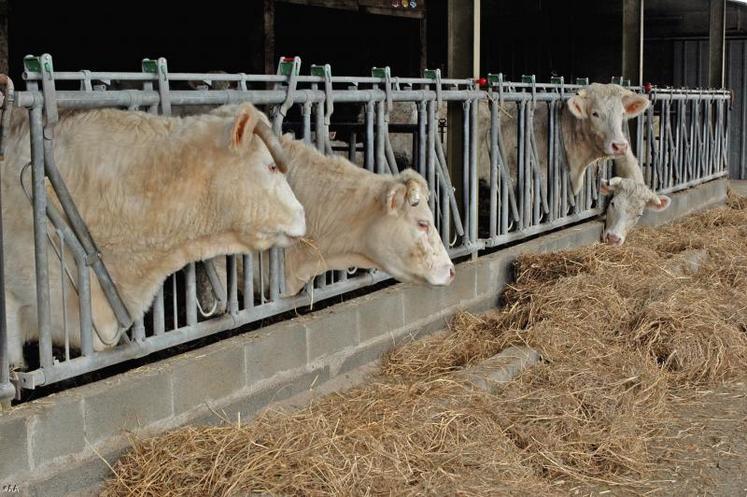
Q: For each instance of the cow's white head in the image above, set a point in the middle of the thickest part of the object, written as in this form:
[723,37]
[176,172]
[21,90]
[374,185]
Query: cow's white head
[270,214]
[403,241]
[630,199]
[602,109]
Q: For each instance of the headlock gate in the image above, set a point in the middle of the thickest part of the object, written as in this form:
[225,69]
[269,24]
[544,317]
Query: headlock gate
[680,141]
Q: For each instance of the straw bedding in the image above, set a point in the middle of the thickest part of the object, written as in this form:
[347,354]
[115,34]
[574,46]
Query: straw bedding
[625,333]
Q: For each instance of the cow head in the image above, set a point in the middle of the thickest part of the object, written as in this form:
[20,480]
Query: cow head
[604,108]
[403,240]
[601,111]
[277,217]
[630,199]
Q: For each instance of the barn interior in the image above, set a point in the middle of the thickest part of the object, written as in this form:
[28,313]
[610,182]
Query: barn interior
[573,39]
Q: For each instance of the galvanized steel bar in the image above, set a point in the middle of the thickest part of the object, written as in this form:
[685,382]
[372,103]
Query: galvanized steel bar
[40,238]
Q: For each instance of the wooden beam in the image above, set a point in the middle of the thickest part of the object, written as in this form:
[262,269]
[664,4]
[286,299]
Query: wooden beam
[716,43]
[328,4]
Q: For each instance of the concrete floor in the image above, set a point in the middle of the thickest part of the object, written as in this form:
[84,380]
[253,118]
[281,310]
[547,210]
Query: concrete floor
[739,186]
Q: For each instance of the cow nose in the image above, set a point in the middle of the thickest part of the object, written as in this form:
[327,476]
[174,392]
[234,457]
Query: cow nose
[612,239]
[452,273]
[619,147]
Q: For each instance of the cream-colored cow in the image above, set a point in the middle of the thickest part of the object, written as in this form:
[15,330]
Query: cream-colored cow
[156,193]
[355,218]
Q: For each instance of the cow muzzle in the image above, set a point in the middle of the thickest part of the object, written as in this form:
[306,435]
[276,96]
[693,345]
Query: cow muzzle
[612,239]
[443,275]
[617,147]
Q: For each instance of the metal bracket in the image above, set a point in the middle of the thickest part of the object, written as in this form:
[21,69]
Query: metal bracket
[532,80]
[435,75]
[325,72]
[582,81]
[43,65]
[290,67]
[85,84]
[242,81]
[386,74]
[160,69]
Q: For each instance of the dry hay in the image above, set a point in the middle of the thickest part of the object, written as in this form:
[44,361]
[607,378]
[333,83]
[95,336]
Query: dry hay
[625,333]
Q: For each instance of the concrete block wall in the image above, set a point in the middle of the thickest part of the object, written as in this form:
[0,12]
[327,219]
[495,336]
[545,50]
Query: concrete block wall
[52,446]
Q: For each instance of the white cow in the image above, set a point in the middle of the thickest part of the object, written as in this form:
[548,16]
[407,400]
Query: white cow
[156,193]
[591,129]
[630,199]
[356,218]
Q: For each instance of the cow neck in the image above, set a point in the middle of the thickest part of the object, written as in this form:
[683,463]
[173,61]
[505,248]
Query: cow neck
[572,132]
[338,198]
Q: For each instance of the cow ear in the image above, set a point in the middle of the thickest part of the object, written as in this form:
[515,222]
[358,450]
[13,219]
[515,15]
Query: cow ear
[634,104]
[611,186]
[604,188]
[243,126]
[659,203]
[577,104]
[395,197]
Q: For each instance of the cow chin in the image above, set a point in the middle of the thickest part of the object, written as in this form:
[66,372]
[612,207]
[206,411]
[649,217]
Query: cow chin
[283,240]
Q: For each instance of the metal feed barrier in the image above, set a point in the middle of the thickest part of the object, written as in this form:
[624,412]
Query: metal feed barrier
[681,140]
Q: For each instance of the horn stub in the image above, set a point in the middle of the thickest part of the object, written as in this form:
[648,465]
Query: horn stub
[273,145]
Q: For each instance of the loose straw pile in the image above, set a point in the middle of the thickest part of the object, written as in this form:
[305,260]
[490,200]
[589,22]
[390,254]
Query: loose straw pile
[623,333]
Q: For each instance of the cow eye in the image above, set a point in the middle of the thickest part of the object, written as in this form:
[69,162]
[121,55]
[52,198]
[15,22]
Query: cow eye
[595,114]
[272,167]
[423,225]
[612,203]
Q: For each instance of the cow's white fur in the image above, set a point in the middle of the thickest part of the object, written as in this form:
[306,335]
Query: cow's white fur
[631,198]
[156,193]
[356,218]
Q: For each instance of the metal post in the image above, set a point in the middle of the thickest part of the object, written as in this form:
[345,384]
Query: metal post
[632,41]
[40,238]
[7,391]
[716,43]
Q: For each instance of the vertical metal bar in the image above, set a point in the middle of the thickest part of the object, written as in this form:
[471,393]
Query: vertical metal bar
[431,156]
[422,137]
[473,170]
[381,164]
[564,193]
[275,274]
[159,324]
[248,263]
[319,125]
[551,161]
[40,238]
[7,390]
[465,167]
[262,277]
[493,228]
[191,294]
[84,310]
[63,290]
[233,301]
[307,123]
[369,143]
[524,186]
[138,330]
